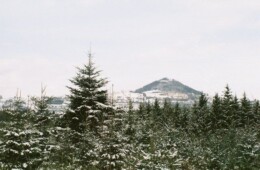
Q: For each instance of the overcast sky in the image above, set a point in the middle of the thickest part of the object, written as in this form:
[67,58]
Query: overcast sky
[204,44]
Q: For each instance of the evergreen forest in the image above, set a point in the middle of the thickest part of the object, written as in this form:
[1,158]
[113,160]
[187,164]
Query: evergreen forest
[93,134]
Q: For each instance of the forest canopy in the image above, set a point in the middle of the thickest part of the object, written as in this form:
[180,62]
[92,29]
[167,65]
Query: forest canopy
[94,134]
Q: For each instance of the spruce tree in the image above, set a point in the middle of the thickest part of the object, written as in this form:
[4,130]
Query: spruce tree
[216,112]
[148,112]
[141,111]
[167,112]
[22,146]
[87,98]
[236,111]
[256,111]
[246,114]
[156,112]
[91,119]
[176,115]
[227,107]
[130,119]
[114,145]
[200,114]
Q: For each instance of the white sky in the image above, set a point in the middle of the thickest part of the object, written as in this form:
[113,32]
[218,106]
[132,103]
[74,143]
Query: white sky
[205,44]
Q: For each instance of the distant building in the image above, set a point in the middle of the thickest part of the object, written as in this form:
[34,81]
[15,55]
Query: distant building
[58,105]
[121,99]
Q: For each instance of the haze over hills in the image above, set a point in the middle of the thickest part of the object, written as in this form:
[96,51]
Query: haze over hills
[167,85]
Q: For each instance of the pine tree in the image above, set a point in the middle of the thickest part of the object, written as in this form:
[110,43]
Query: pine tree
[167,112]
[256,111]
[43,117]
[130,129]
[227,108]
[114,146]
[148,109]
[141,111]
[236,112]
[176,115]
[216,112]
[246,114]
[201,114]
[87,99]
[156,110]
[97,128]
[22,146]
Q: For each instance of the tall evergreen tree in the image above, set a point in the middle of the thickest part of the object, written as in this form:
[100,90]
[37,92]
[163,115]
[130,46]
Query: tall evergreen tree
[236,111]
[167,112]
[148,109]
[130,129]
[87,98]
[256,111]
[176,115]
[216,111]
[200,114]
[41,103]
[227,107]
[141,111]
[157,115]
[22,145]
[246,114]
[114,146]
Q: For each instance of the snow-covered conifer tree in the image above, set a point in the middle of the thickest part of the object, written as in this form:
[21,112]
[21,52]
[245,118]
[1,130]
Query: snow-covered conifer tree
[87,98]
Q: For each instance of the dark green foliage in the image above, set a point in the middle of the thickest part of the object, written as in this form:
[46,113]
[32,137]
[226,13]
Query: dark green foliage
[176,115]
[223,149]
[156,112]
[147,114]
[167,112]
[222,134]
[114,146]
[216,112]
[236,112]
[246,116]
[130,121]
[227,111]
[141,110]
[96,129]
[200,115]
[86,99]
[22,145]
[41,103]
[256,111]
